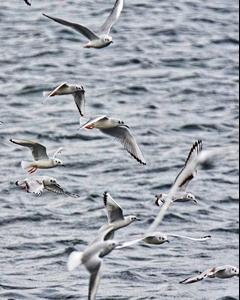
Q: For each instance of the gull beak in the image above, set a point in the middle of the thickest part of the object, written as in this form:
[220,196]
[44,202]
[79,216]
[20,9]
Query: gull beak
[138,219]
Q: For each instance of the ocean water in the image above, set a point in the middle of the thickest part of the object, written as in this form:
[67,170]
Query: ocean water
[172,76]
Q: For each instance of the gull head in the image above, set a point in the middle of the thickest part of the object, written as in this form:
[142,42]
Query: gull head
[49,181]
[107,39]
[156,238]
[191,197]
[132,219]
[160,199]
[234,271]
[57,162]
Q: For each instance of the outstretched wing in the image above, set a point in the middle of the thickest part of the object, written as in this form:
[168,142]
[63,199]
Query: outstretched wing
[94,281]
[113,17]
[201,239]
[198,278]
[188,173]
[58,89]
[79,28]
[114,211]
[39,151]
[124,136]
[80,100]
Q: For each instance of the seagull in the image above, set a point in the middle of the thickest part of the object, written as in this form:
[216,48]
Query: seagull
[101,40]
[118,130]
[158,238]
[116,219]
[92,259]
[224,272]
[187,175]
[27,2]
[78,93]
[41,159]
[36,186]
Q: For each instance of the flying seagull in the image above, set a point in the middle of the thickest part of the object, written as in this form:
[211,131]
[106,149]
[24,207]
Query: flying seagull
[101,40]
[118,130]
[224,272]
[116,219]
[41,159]
[187,174]
[36,186]
[78,93]
[92,259]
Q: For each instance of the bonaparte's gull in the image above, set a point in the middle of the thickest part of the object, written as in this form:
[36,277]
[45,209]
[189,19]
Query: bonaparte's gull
[41,159]
[92,259]
[78,93]
[120,132]
[187,175]
[101,40]
[36,186]
[116,219]
[158,238]
[224,272]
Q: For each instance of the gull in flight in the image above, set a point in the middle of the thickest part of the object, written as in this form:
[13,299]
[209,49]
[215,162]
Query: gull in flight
[78,93]
[36,186]
[116,219]
[187,174]
[101,40]
[41,159]
[224,272]
[158,238]
[118,130]
[92,259]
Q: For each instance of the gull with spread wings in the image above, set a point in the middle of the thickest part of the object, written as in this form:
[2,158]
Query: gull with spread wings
[187,174]
[41,158]
[78,93]
[101,40]
[121,132]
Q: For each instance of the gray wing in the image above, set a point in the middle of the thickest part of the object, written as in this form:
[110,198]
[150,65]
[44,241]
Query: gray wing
[39,151]
[187,173]
[80,100]
[57,189]
[94,282]
[79,28]
[113,17]
[124,136]
[201,239]
[195,279]
[114,211]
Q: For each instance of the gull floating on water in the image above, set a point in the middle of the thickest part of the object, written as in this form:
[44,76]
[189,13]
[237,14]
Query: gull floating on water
[36,186]
[158,238]
[92,259]
[116,219]
[224,272]
[120,132]
[41,159]
[101,40]
[78,93]
[187,174]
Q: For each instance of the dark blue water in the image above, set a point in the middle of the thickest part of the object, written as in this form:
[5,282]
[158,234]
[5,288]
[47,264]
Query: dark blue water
[172,75]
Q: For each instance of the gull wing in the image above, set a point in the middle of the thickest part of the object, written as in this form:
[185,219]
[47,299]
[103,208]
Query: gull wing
[79,28]
[187,174]
[124,136]
[197,278]
[80,101]
[113,17]
[201,239]
[39,151]
[114,211]
[27,2]
[57,89]
[93,121]
[129,244]
[94,281]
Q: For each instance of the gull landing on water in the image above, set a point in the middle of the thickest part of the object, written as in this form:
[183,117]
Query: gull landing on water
[120,132]
[101,40]
[78,93]
[224,272]
[36,186]
[186,175]
[41,159]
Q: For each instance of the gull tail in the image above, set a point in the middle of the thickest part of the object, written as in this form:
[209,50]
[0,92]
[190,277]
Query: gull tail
[74,260]
[26,165]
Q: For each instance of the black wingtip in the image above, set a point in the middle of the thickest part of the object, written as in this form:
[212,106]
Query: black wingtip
[27,2]
[105,198]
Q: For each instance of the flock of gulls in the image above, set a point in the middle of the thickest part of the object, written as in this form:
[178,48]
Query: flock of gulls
[104,243]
